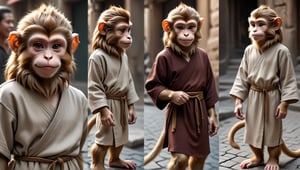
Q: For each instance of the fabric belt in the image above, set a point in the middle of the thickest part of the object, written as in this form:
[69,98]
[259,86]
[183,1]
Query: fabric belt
[122,100]
[59,161]
[264,91]
[197,97]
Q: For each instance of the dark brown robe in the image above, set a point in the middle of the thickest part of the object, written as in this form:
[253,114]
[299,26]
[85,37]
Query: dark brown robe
[171,71]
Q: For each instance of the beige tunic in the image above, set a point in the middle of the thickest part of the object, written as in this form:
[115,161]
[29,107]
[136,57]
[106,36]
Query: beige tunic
[31,126]
[273,69]
[110,76]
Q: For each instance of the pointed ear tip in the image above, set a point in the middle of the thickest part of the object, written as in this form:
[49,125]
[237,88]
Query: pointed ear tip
[12,34]
[278,19]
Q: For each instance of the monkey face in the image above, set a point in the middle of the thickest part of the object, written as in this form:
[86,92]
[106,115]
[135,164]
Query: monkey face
[257,28]
[47,52]
[185,31]
[123,31]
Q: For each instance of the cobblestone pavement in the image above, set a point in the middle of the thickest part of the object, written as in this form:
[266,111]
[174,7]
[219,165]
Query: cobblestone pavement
[154,121]
[230,158]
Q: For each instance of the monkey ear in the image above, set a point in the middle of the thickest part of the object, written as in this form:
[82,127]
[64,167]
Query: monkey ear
[101,26]
[75,42]
[13,40]
[278,22]
[166,25]
[201,21]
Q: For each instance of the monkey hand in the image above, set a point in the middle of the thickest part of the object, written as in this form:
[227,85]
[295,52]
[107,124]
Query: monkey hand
[179,97]
[132,117]
[213,126]
[281,111]
[238,110]
[107,118]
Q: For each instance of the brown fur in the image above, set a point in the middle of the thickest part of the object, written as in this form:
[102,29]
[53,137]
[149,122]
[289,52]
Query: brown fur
[91,123]
[157,148]
[106,40]
[272,36]
[241,124]
[48,20]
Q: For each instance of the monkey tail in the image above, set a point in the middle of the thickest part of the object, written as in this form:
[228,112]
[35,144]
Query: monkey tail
[288,152]
[91,123]
[157,148]
[232,132]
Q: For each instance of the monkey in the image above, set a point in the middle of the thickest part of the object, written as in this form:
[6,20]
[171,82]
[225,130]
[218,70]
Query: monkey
[191,98]
[241,124]
[43,117]
[111,91]
[266,77]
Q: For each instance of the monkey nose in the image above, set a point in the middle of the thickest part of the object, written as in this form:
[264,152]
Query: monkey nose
[48,57]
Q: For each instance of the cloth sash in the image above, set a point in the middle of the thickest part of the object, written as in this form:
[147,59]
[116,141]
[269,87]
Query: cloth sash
[122,100]
[197,97]
[266,98]
[59,161]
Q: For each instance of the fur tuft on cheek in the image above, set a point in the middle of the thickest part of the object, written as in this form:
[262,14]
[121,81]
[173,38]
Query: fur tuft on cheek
[108,43]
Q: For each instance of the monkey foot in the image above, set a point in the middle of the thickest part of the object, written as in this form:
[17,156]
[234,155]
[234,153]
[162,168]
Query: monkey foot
[128,164]
[252,162]
[272,164]
[97,167]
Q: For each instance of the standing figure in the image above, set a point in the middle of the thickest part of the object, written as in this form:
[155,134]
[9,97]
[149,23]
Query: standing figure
[43,118]
[181,78]
[266,77]
[111,91]
[6,26]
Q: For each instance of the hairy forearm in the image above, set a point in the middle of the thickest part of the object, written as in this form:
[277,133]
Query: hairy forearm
[212,112]
[238,101]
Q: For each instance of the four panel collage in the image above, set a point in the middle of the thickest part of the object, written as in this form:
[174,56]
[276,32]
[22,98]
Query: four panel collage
[149,84]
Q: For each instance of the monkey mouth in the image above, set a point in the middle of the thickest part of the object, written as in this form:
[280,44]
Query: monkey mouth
[256,36]
[47,66]
[127,44]
[185,42]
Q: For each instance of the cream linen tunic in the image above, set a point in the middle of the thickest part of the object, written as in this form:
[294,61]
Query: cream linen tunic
[272,68]
[31,126]
[110,76]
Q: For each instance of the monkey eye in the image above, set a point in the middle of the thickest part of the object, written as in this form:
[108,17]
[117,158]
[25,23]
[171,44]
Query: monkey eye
[56,46]
[260,24]
[38,45]
[180,27]
[123,30]
[191,27]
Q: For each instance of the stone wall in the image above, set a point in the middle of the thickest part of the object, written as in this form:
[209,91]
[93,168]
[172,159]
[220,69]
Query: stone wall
[213,38]
[287,10]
